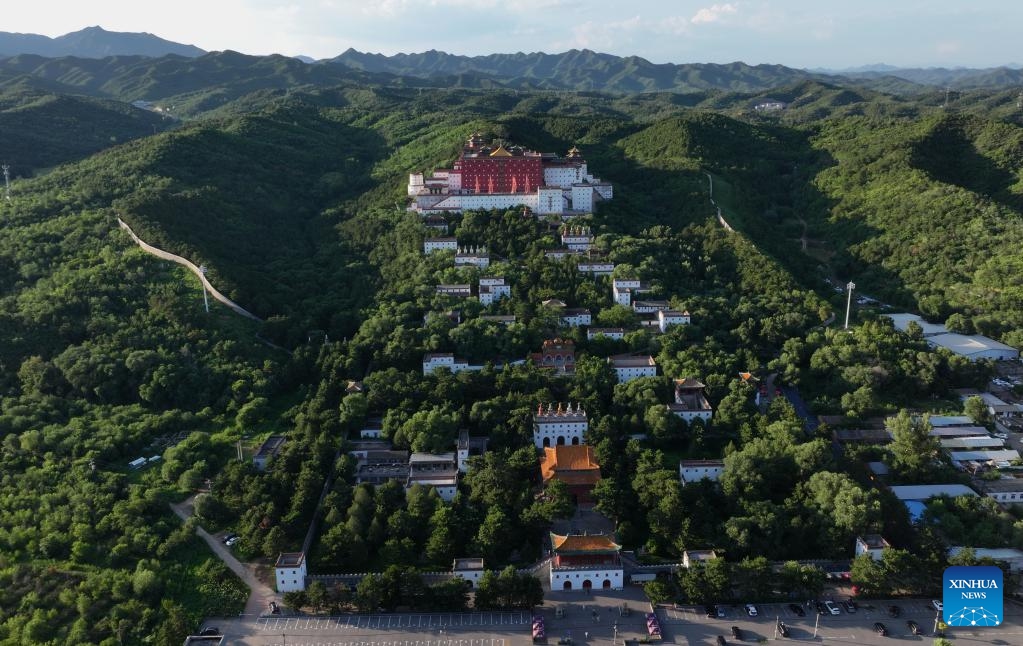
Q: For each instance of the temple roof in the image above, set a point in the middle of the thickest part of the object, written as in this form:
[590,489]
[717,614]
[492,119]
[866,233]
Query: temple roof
[501,151]
[584,544]
[572,464]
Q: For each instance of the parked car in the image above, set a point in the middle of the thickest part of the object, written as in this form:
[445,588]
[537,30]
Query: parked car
[231,541]
[797,609]
[783,629]
[751,610]
[720,610]
[1001,436]
[227,538]
[832,607]
[849,605]
[209,632]
[274,608]
[711,612]
[939,606]
[913,627]
[736,633]
[821,609]
[880,629]
[721,641]
[894,611]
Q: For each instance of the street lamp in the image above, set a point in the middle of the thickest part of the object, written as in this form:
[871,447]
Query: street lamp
[848,304]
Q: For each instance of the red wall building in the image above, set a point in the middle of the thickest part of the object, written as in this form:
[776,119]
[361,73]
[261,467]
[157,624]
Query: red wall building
[501,172]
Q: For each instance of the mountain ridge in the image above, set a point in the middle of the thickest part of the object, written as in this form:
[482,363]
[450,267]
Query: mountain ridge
[93,42]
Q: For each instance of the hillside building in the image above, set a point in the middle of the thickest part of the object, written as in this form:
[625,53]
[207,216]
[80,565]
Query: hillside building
[472,257]
[267,451]
[575,316]
[690,471]
[290,572]
[492,288]
[468,446]
[439,244]
[622,290]
[558,355]
[628,367]
[872,544]
[577,238]
[439,471]
[596,267]
[576,466]
[500,177]
[616,333]
[690,402]
[670,318]
[436,360]
[556,427]
[457,290]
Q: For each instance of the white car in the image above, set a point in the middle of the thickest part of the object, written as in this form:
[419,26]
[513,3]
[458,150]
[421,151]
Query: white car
[937,605]
[1001,436]
[832,607]
[751,610]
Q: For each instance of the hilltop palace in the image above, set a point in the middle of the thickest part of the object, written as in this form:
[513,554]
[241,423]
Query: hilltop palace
[484,177]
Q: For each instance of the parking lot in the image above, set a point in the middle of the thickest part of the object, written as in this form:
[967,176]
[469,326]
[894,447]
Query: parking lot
[405,642]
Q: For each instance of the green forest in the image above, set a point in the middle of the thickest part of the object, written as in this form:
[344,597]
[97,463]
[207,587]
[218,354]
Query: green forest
[295,201]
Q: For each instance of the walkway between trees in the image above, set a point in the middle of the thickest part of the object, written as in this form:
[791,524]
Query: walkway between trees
[260,595]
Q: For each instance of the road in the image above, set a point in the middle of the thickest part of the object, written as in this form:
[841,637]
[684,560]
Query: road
[260,595]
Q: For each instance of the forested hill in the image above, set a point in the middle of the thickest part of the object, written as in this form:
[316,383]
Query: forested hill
[93,42]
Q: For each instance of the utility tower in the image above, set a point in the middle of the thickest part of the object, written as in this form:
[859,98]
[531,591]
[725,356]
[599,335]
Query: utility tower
[7,182]
[848,304]
[205,299]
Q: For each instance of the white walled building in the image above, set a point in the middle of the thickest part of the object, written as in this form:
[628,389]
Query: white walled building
[585,562]
[629,367]
[622,290]
[439,244]
[436,360]
[554,427]
[492,288]
[472,256]
[577,238]
[649,307]
[439,471]
[596,267]
[470,569]
[693,470]
[1006,491]
[461,291]
[668,318]
[290,572]
[467,447]
[690,402]
[616,333]
[574,317]
[872,544]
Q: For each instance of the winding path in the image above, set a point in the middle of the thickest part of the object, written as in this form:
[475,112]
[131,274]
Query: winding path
[166,255]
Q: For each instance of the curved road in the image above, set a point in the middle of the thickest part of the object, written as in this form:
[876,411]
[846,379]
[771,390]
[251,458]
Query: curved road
[260,595]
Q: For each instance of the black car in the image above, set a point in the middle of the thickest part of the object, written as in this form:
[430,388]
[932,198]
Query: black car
[736,633]
[821,608]
[711,611]
[209,632]
[880,629]
[783,629]
[797,609]
[913,627]
[721,641]
[850,605]
[894,611]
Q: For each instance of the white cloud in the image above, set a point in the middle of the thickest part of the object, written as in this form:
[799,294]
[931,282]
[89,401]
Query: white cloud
[714,13]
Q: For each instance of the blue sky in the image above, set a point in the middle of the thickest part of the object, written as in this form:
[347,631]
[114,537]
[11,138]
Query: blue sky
[798,33]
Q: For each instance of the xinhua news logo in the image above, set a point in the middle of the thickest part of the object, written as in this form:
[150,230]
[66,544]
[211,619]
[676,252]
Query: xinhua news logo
[973,596]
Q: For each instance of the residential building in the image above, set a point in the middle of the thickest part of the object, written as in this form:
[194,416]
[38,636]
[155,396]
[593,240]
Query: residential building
[577,238]
[690,402]
[470,569]
[616,333]
[1007,490]
[267,451]
[629,367]
[576,466]
[558,355]
[439,471]
[574,317]
[690,471]
[503,177]
[492,288]
[290,572]
[439,244]
[649,307]
[584,562]
[1000,409]
[436,360]
[669,318]
[467,447]
[472,256]
[503,319]
[555,427]
[622,290]
[461,291]
[596,267]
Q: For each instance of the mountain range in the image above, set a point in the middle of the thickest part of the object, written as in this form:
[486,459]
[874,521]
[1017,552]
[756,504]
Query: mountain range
[93,42]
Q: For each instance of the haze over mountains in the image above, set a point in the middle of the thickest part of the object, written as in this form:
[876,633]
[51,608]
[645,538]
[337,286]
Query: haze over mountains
[570,70]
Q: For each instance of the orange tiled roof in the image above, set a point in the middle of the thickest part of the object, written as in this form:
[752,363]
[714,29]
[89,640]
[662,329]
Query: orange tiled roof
[570,464]
[583,543]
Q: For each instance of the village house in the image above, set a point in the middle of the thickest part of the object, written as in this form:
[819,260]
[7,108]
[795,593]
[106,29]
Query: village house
[461,291]
[436,360]
[628,367]
[872,544]
[474,256]
[616,333]
[575,316]
[439,244]
[596,267]
[492,288]
[622,290]
[649,307]
[669,318]
[690,471]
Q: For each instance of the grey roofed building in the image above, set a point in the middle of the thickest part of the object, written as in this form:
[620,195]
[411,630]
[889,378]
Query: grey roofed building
[923,492]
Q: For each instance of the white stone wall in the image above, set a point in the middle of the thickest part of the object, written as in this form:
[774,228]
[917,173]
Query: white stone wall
[582,198]
[561,176]
[291,579]
[690,415]
[596,577]
[628,374]
[569,433]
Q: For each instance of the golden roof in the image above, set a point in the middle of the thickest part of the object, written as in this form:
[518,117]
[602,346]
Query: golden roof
[501,151]
[572,464]
[583,543]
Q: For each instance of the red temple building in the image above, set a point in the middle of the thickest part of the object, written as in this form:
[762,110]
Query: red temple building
[585,561]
